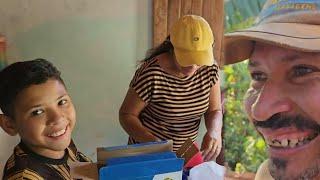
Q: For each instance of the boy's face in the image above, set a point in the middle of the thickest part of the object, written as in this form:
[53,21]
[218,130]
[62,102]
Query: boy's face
[44,117]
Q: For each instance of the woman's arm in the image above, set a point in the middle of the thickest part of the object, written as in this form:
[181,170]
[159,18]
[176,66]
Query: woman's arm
[129,117]
[212,141]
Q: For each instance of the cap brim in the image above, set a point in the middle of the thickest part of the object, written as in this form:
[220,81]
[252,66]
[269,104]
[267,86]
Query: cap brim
[302,37]
[188,58]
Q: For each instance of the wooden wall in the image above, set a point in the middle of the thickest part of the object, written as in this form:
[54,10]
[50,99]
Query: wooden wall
[166,12]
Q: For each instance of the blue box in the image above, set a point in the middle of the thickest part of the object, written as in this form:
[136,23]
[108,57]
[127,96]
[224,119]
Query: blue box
[150,166]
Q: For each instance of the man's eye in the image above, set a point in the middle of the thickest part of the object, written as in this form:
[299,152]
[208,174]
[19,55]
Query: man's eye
[62,102]
[37,112]
[258,76]
[301,71]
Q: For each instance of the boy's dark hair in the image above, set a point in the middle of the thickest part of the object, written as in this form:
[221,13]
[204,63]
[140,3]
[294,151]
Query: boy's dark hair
[20,75]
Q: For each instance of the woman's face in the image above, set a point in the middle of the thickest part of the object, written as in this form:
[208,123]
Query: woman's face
[186,70]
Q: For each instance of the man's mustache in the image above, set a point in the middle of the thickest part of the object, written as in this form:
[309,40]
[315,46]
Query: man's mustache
[279,120]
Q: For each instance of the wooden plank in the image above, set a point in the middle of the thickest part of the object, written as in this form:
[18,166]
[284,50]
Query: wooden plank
[186,7]
[213,12]
[196,7]
[160,13]
[207,11]
[173,13]
[218,24]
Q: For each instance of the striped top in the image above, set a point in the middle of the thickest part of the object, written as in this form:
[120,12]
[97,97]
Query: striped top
[25,164]
[174,105]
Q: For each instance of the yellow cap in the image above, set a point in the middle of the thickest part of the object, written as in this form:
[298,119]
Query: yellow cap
[192,39]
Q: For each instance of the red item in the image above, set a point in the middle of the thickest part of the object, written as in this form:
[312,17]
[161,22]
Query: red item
[191,154]
[195,160]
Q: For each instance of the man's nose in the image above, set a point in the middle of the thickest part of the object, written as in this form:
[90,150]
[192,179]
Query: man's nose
[273,98]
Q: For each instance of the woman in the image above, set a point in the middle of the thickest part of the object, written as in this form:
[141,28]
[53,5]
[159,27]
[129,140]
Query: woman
[175,85]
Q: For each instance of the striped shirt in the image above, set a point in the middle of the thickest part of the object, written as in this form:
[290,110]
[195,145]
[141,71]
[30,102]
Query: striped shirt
[174,105]
[25,164]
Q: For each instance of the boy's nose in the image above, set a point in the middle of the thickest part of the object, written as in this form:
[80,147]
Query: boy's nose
[55,116]
[272,99]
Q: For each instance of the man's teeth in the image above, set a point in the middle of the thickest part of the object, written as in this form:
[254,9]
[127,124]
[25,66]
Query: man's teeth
[58,133]
[291,142]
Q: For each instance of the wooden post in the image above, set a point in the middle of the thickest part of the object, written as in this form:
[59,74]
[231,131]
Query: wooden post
[160,14]
[218,28]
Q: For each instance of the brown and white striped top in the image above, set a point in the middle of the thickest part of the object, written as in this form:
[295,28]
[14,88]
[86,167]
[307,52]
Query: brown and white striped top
[26,164]
[174,105]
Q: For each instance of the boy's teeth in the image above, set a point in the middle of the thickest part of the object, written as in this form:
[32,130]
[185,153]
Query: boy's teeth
[58,133]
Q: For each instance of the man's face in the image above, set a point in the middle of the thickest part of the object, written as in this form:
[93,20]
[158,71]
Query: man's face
[283,102]
[44,117]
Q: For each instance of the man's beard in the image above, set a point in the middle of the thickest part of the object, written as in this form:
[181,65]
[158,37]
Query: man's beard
[278,166]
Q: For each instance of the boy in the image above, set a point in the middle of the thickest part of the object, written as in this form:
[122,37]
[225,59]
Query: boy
[37,107]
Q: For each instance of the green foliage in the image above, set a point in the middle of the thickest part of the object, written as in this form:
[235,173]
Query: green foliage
[238,11]
[244,24]
[245,149]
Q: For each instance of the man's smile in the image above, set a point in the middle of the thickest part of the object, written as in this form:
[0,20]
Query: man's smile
[286,141]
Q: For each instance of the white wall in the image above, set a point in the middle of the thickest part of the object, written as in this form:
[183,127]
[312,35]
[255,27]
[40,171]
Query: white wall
[95,43]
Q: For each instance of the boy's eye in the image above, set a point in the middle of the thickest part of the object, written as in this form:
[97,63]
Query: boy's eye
[62,102]
[258,76]
[37,112]
[302,70]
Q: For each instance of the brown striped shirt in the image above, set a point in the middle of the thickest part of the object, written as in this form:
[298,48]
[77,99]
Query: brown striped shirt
[174,105]
[25,164]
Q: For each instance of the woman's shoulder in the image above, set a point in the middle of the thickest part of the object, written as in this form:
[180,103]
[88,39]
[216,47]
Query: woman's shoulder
[147,64]
[210,70]
[213,67]
[149,68]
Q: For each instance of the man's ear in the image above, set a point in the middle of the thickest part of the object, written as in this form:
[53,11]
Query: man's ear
[8,125]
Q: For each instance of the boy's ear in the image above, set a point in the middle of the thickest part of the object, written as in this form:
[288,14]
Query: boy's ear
[8,125]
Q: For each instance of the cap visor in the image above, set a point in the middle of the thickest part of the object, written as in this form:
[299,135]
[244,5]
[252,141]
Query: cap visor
[302,37]
[188,58]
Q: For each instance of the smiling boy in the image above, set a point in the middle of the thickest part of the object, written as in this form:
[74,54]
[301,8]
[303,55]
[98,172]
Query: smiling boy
[37,107]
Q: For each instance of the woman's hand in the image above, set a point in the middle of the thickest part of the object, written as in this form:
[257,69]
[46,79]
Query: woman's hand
[211,146]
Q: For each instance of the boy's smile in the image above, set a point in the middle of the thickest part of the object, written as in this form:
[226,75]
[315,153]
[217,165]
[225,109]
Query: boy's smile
[44,117]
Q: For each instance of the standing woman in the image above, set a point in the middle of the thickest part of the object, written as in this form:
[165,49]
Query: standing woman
[176,85]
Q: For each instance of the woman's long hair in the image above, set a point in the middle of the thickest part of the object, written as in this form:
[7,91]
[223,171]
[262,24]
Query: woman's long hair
[165,47]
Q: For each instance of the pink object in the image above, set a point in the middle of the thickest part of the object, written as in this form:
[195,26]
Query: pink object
[195,160]
[191,154]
